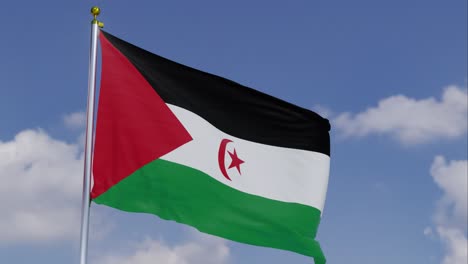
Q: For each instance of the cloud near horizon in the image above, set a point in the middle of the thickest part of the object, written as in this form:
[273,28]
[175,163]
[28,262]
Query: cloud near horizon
[201,249]
[41,187]
[411,121]
[450,216]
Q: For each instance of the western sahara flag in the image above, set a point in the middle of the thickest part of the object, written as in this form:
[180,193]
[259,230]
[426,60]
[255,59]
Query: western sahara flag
[201,150]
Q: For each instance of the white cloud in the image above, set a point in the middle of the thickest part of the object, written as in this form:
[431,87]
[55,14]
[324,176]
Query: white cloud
[75,120]
[456,244]
[40,188]
[451,212]
[202,249]
[410,120]
[452,178]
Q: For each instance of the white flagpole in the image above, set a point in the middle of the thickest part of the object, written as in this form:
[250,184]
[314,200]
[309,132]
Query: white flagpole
[86,202]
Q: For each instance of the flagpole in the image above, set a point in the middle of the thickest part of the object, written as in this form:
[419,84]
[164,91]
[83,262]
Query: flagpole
[86,200]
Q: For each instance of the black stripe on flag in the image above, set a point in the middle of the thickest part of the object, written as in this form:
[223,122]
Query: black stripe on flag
[233,108]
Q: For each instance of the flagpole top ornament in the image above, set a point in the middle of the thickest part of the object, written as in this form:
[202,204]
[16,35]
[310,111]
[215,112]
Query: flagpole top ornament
[95,11]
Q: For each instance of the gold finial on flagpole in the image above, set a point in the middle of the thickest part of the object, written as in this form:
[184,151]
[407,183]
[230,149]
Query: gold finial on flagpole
[95,11]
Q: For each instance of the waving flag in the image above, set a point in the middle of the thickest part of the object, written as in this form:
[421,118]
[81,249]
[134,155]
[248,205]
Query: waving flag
[202,150]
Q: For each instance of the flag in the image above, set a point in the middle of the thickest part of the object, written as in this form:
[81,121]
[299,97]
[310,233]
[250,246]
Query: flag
[202,150]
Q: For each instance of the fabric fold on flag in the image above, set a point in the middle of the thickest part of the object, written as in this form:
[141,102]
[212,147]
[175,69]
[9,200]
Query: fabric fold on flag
[201,150]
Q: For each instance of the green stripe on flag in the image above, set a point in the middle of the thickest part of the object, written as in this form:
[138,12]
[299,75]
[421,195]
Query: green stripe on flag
[186,195]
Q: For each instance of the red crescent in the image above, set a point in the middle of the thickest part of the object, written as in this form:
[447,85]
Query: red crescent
[221,154]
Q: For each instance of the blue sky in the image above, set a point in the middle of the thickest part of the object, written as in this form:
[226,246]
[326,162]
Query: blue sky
[390,75]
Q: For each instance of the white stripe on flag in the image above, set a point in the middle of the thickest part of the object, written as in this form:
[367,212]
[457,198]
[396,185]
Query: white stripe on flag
[278,173]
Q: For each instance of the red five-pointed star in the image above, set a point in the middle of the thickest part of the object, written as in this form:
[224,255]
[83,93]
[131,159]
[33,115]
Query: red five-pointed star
[235,161]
